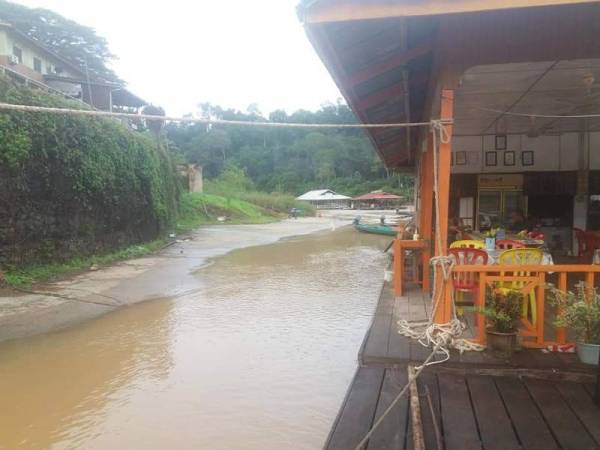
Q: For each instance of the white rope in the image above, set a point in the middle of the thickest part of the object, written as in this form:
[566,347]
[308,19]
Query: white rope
[543,116]
[441,336]
[207,121]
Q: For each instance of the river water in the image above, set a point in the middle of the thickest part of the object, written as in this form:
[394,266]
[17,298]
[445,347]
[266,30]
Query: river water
[258,356]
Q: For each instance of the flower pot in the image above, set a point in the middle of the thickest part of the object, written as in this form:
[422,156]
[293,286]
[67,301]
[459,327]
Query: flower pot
[588,353]
[505,343]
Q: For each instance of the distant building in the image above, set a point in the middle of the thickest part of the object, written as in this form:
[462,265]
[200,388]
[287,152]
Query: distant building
[325,199]
[377,200]
[28,61]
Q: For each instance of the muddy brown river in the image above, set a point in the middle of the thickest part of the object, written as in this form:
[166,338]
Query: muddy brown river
[258,356]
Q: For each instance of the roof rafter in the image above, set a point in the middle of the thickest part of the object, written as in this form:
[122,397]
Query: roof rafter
[394,61]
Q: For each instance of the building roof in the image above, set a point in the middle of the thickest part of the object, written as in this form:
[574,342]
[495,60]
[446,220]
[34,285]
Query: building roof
[390,59]
[322,194]
[378,195]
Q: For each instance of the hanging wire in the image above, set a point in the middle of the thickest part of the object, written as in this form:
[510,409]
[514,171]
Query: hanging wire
[208,121]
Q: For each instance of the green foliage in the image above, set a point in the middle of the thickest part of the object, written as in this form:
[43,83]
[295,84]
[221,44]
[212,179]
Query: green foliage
[232,195]
[578,311]
[288,159]
[82,183]
[503,309]
[15,144]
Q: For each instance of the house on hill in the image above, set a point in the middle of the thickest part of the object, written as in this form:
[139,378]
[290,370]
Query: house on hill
[377,199]
[28,61]
[325,199]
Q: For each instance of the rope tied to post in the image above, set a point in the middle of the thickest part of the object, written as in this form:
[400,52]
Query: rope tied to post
[442,336]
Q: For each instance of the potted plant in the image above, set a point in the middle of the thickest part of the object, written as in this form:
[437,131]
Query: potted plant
[503,313]
[580,311]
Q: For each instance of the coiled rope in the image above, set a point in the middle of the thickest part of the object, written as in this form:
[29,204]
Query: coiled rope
[446,335]
[442,337]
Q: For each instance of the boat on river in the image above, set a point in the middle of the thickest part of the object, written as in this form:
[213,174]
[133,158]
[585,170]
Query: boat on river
[376,229]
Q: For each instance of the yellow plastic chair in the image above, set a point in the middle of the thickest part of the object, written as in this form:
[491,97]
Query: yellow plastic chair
[468,243]
[523,256]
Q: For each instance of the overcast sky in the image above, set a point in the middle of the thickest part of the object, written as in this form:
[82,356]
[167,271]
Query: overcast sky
[179,53]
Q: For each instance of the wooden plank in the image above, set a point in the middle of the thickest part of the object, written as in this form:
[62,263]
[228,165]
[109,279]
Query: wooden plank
[589,387]
[565,426]
[492,418]
[391,434]
[356,416]
[428,384]
[531,429]
[443,194]
[377,341]
[583,406]
[418,440]
[460,429]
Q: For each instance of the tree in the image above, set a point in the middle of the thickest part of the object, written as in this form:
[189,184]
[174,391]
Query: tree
[77,43]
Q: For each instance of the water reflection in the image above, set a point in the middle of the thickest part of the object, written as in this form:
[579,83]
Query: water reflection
[257,357]
[60,387]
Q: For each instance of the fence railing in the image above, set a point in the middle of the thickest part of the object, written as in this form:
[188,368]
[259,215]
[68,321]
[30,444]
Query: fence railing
[528,279]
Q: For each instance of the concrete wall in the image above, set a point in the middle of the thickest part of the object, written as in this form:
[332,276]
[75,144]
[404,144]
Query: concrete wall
[551,153]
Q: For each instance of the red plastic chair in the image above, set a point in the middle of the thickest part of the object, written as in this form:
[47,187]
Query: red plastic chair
[466,281]
[508,244]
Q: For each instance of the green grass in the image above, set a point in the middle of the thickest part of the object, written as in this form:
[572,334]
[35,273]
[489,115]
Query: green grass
[202,209]
[25,276]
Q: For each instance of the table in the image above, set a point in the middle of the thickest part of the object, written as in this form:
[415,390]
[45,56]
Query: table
[400,246]
[493,256]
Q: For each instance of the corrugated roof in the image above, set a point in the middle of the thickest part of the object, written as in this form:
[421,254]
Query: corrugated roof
[378,195]
[322,194]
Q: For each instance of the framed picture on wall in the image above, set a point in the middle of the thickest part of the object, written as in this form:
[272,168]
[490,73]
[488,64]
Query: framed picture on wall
[500,142]
[527,158]
[509,158]
[461,158]
[491,158]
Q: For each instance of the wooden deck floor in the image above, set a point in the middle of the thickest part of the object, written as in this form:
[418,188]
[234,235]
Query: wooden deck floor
[383,344]
[534,400]
[470,411]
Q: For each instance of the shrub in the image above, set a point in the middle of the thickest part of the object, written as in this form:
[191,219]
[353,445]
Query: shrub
[503,309]
[578,311]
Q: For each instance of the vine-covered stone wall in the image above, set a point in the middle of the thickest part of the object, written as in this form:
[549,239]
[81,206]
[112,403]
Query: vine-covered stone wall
[73,185]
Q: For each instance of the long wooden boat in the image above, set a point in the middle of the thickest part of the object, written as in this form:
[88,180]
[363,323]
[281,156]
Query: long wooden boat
[376,229]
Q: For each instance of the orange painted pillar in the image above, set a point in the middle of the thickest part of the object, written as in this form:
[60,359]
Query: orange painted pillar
[443,313]
[426,208]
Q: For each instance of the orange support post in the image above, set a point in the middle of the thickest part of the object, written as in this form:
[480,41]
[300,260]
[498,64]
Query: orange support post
[425,209]
[446,113]
[561,334]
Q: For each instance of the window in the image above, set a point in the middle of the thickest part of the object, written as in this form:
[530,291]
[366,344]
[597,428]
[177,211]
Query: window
[37,64]
[18,53]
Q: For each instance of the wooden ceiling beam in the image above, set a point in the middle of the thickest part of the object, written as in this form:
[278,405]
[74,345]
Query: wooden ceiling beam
[393,93]
[398,59]
[341,11]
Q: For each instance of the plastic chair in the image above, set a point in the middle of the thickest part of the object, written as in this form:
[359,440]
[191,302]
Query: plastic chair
[508,244]
[523,256]
[468,243]
[467,281]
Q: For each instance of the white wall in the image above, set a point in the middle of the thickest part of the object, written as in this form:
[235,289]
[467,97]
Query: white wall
[29,52]
[551,153]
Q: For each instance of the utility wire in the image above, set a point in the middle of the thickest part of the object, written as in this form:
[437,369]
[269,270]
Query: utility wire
[207,121]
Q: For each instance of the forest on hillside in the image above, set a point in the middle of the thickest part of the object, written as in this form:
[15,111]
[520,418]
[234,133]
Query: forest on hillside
[287,159]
